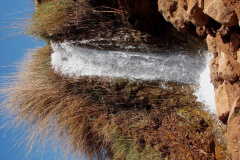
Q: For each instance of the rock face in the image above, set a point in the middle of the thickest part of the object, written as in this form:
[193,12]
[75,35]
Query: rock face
[218,22]
[221,13]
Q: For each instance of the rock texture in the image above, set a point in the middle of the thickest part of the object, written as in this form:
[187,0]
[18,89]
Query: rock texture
[233,133]
[218,22]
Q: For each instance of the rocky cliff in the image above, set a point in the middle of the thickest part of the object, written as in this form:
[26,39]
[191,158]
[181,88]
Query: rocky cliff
[218,22]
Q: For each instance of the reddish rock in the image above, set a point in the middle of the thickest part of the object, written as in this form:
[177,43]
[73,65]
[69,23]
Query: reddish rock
[235,109]
[224,31]
[175,12]
[234,42]
[196,14]
[222,102]
[221,13]
[226,70]
[235,5]
[228,44]
[233,132]
[238,56]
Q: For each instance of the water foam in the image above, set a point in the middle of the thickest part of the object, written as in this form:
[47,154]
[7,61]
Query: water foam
[75,61]
[205,92]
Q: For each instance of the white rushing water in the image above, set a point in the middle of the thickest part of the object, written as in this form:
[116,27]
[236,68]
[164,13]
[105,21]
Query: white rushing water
[73,61]
[205,93]
[76,61]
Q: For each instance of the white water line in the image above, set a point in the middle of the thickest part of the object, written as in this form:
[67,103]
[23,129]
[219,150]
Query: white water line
[76,61]
[72,61]
[205,92]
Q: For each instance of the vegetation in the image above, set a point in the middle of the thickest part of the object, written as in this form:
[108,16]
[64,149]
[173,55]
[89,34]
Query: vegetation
[113,118]
[68,19]
[61,20]
[105,118]
[49,18]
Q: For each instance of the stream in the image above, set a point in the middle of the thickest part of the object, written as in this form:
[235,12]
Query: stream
[170,65]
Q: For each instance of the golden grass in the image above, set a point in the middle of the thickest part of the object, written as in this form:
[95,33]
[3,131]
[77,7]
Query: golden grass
[49,18]
[37,100]
[91,116]
[68,19]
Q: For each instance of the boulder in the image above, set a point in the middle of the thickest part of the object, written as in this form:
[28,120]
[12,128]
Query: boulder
[196,14]
[235,5]
[222,102]
[226,69]
[175,12]
[221,13]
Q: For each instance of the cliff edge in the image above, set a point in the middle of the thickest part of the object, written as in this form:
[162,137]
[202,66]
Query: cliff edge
[218,22]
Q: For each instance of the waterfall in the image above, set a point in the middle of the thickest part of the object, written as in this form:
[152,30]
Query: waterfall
[73,61]
[205,92]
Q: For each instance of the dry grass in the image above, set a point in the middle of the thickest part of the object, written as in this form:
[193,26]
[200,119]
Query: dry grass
[38,101]
[111,118]
[49,18]
[104,118]
[96,19]
[69,19]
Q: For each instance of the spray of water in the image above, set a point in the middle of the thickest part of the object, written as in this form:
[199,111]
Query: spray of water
[75,61]
[205,92]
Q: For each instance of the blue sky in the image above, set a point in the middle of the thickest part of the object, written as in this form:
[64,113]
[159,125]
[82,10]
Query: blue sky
[14,46]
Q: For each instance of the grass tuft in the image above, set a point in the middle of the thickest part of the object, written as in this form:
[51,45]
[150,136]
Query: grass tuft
[90,117]
[104,118]
[49,18]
